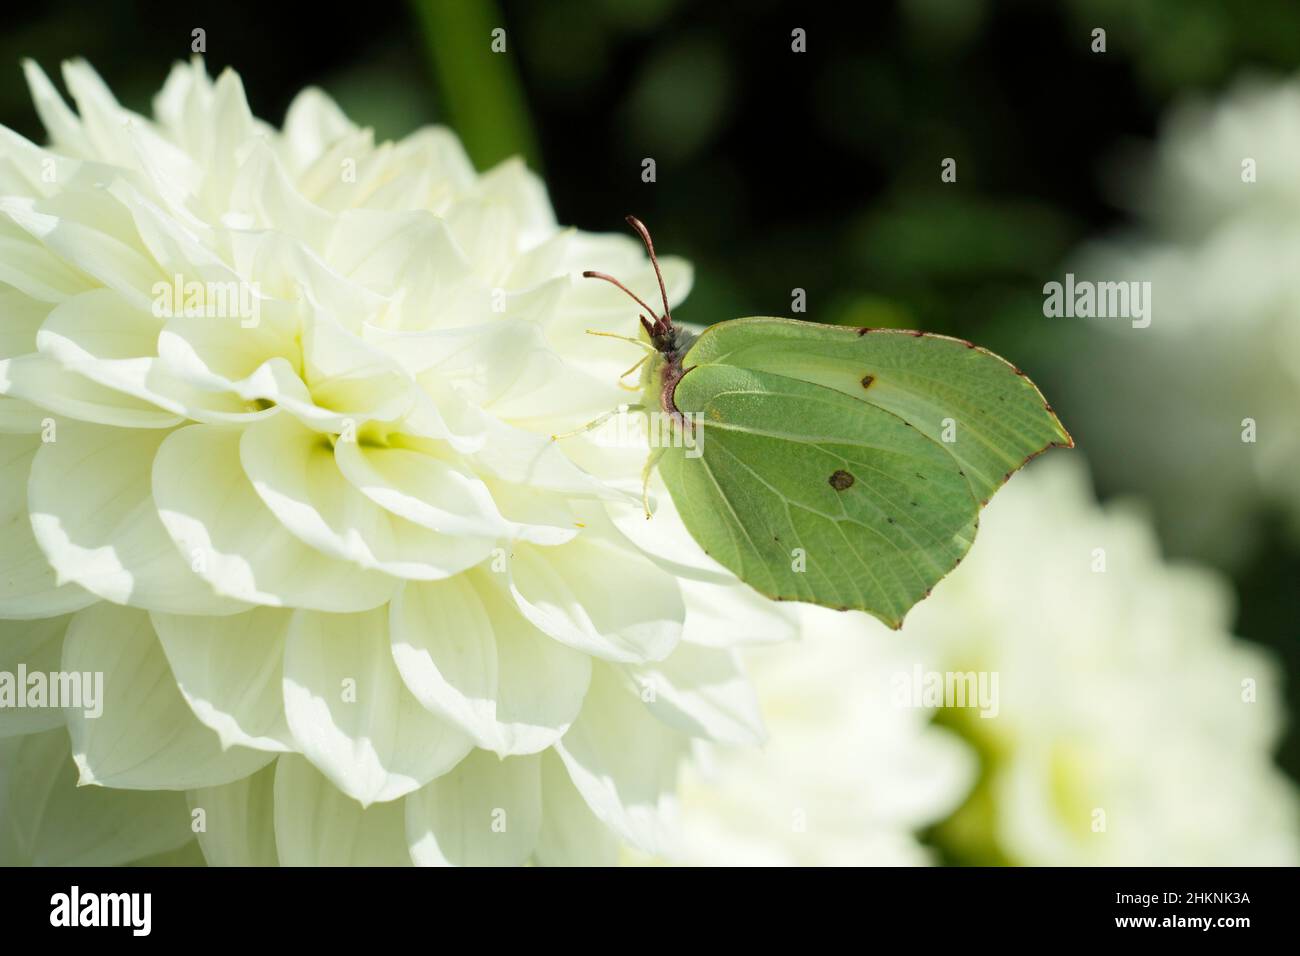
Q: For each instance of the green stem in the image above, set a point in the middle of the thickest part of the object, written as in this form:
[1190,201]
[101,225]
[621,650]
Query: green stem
[480,92]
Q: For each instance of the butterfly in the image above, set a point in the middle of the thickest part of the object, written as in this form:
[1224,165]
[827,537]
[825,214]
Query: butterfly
[838,466]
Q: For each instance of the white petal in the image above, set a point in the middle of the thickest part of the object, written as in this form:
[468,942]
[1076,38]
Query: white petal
[105,534]
[324,185]
[349,376]
[37,646]
[113,343]
[184,100]
[512,185]
[555,396]
[734,614]
[21,418]
[219,354]
[317,825]
[440,413]
[264,195]
[624,763]
[64,226]
[29,587]
[542,519]
[565,591]
[175,177]
[351,715]
[219,132]
[34,270]
[146,737]
[54,822]
[59,121]
[181,244]
[276,382]
[439,494]
[102,117]
[238,820]
[44,382]
[664,537]
[407,253]
[22,317]
[313,123]
[291,270]
[481,361]
[703,691]
[33,171]
[465,652]
[571,835]
[295,472]
[214,515]
[536,461]
[231,672]
[485,812]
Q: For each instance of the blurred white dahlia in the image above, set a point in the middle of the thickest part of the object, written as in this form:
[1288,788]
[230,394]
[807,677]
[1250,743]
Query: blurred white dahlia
[1209,390]
[275,424]
[845,778]
[1130,726]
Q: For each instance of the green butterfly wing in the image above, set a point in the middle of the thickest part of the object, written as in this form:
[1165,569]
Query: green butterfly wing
[845,467]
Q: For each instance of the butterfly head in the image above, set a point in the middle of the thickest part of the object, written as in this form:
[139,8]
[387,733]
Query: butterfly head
[663,370]
[665,337]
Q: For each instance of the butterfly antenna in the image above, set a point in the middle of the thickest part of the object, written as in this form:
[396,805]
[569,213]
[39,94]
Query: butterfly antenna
[644,233]
[635,298]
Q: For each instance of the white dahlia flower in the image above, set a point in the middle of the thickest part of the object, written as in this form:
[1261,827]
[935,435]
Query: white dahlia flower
[846,777]
[1209,390]
[1128,725]
[275,423]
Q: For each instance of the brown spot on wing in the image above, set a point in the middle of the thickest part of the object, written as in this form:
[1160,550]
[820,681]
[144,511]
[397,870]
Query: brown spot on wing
[841,480]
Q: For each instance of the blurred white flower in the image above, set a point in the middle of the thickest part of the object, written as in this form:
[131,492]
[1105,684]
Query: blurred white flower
[1208,392]
[275,419]
[1132,728]
[846,778]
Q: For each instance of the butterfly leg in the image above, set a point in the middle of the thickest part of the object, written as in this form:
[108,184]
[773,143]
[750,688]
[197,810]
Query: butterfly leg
[598,421]
[632,388]
[651,461]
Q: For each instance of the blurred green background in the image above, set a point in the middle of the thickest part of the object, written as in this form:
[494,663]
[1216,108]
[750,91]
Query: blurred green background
[775,171]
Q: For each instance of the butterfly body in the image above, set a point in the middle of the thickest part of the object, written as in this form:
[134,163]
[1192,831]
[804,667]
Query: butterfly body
[663,370]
